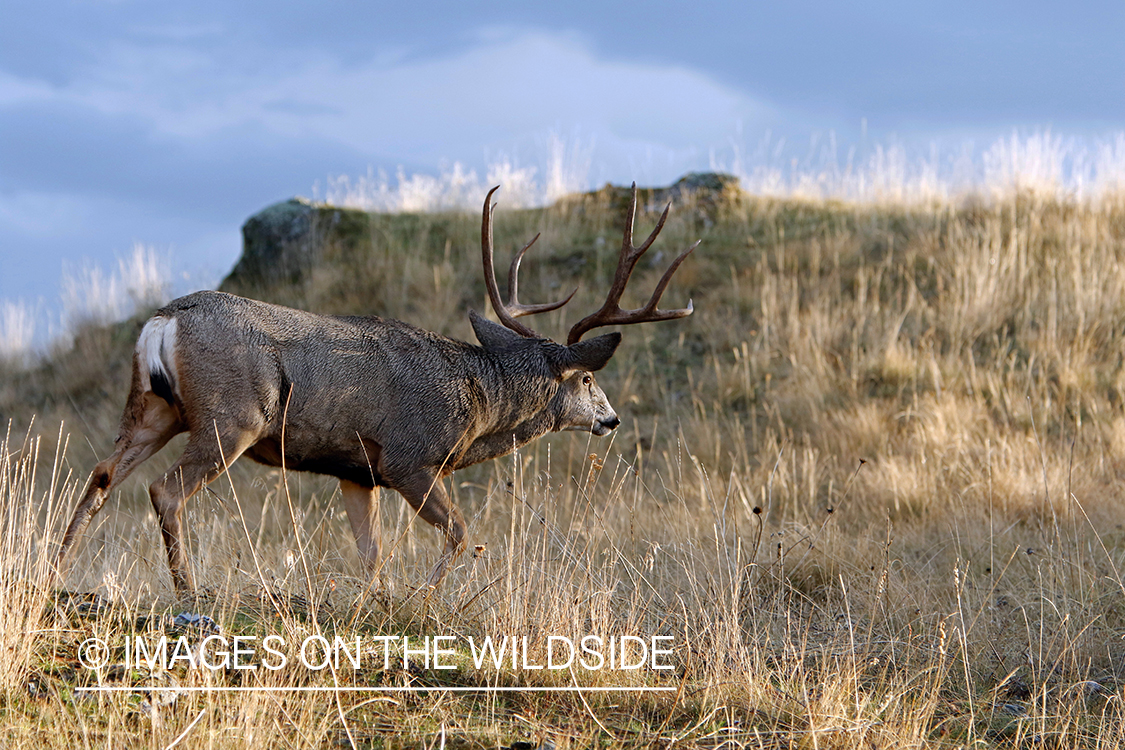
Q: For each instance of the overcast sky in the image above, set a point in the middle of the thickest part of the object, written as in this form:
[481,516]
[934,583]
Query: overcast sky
[170,123]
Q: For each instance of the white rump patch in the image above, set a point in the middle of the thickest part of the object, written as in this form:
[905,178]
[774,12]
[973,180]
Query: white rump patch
[156,348]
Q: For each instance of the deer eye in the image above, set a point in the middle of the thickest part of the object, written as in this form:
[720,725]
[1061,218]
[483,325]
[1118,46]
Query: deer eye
[586,380]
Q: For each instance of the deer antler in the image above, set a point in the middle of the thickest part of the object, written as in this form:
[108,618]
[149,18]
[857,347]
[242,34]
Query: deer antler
[508,312]
[610,313]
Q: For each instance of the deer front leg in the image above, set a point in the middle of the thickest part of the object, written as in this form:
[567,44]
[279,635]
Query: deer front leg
[426,494]
[362,505]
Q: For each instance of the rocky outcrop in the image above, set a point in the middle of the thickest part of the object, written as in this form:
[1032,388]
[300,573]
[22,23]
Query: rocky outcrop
[706,192]
[282,243]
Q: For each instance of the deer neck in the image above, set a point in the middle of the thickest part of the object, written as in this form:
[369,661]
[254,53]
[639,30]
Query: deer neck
[519,404]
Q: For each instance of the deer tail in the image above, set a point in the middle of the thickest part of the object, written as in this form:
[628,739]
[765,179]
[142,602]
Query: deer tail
[156,353]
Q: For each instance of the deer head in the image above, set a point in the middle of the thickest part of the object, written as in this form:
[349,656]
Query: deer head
[585,404]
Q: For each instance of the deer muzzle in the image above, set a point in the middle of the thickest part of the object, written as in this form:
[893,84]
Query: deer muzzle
[605,426]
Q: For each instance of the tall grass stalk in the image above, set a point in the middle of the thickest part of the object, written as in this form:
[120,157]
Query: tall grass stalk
[29,505]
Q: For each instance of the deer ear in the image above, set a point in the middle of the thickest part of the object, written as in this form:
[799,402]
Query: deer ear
[492,335]
[586,355]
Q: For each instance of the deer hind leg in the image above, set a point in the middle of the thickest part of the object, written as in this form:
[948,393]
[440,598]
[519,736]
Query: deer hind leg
[362,505]
[203,461]
[149,423]
[426,494]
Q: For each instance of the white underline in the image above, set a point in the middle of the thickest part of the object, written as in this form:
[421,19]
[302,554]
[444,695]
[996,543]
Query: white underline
[375,689]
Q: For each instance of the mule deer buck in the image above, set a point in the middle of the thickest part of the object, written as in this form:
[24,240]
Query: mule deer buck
[372,401]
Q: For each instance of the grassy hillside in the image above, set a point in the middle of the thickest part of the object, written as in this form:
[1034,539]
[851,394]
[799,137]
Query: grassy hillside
[872,487]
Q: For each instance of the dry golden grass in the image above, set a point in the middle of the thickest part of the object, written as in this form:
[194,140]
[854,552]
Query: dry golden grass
[872,488]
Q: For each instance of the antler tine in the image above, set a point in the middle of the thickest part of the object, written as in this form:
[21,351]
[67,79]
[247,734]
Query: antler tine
[519,310]
[508,312]
[610,312]
[629,254]
[663,284]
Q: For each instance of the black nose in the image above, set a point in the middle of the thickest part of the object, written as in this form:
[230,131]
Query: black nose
[612,423]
